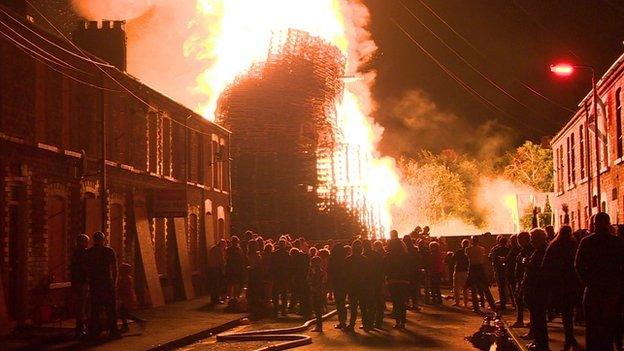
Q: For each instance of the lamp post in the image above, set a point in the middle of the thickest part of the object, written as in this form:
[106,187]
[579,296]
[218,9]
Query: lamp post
[565,70]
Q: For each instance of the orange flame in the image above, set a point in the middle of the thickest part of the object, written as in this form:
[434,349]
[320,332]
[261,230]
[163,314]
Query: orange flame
[240,35]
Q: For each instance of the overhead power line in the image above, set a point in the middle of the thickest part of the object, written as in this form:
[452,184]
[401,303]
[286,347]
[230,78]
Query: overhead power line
[82,57]
[524,84]
[42,61]
[472,67]
[459,81]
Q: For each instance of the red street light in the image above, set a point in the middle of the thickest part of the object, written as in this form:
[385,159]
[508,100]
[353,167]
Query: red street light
[562,69]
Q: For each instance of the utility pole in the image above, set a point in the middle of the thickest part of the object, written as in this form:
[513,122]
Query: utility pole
[103,185]
[597,142]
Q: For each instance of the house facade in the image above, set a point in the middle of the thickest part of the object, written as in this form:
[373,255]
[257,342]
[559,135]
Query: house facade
[167,193]
[574,155]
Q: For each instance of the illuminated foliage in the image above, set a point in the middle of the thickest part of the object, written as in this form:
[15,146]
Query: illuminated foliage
[532,165]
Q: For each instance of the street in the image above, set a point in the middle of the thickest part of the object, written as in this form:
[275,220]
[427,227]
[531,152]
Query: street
[433,328]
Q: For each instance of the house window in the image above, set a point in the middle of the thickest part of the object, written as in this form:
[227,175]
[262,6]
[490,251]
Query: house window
[561,167]
[618,121]
[568,161]
[572,162]
[215,164]
[614,194]
[582,150]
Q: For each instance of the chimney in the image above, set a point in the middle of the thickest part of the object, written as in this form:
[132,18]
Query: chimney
[106,40]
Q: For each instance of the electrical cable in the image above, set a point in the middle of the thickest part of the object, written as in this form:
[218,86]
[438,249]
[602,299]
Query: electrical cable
[475,69]
[64,73]
[49,57]
[458,80]
[517,80]
[451,28]
[53,43]
[542,27]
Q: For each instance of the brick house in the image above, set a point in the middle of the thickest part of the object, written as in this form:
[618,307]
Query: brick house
[573,166]
[168,190]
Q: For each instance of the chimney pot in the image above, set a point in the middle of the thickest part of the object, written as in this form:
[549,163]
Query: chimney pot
[107,44]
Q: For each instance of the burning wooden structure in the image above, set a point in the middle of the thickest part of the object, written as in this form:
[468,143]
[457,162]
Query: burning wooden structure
[284,117]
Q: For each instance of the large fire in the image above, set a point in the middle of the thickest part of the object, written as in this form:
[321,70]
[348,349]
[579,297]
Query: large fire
[242,34]
[219,40]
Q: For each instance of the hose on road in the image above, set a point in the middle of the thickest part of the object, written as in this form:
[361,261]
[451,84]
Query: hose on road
[289,335]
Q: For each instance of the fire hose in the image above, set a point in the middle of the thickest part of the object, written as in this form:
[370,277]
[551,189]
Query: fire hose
[289,335]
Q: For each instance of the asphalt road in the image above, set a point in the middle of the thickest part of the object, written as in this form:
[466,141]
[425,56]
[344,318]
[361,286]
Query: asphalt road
[433,328]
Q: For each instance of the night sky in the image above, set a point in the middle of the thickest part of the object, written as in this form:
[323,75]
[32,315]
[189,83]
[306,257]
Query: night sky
[511,42]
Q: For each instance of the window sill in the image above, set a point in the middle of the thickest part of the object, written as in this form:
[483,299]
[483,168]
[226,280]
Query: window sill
[60,285]
[583,181]
[618,160]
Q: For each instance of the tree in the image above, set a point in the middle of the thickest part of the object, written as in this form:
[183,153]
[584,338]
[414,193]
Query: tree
[532,165]
[436,191]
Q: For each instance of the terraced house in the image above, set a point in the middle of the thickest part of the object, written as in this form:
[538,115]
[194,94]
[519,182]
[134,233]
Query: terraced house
[166,190]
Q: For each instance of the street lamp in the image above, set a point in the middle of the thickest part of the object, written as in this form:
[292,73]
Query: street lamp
[566,70]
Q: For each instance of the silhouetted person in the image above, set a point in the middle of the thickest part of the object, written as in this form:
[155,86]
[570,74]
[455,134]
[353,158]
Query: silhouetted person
[317,280]
[510,268]
[415,267]
[600,265]
[534,286]
[477,280]
[216,270]
[254,282]
[80,283]
[300,263]
[375,278]
[526,250]
[498,254]
[379,298]
[436,271]
[358,267]
[279,267]
[127,298]
[397,276]
[460,273]
[562,282]
[425,259]
[338,282]
[102,272]
[234,269]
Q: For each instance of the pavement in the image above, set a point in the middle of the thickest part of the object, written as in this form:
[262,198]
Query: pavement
[433,328]
[169,326]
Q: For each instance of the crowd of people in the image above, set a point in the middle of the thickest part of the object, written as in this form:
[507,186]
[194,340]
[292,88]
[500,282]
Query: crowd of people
[294,276]
[575,275]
